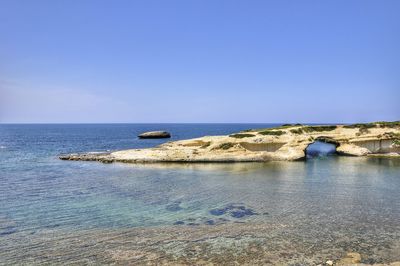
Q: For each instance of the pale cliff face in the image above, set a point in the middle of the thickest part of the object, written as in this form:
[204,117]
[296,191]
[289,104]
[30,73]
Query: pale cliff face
[282,143]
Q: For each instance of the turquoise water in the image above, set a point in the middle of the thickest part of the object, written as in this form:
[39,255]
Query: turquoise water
[40,191]
[344,199]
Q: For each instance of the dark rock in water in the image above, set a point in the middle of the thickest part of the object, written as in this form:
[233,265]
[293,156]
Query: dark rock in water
[250,212]
[174,207]
[236,211]
[217,212]
[155,135]
[237,214]
[103,157]
[53,225]
[241,213]
[8,231]
[193,224]
[179,223]
[210,222]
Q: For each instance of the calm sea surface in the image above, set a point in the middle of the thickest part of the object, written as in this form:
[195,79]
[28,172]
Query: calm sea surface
[328,205]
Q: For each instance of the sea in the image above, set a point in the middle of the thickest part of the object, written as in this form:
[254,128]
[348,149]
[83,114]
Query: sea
[287,213]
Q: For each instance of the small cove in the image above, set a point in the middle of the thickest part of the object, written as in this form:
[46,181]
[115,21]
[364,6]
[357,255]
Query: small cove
[322,207]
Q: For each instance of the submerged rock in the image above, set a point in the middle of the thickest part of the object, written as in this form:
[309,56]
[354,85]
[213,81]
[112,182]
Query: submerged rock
[155,135]
[7,231]
[235,211]
[217,212]
[210,222]
[201,221]
[193,224]
[242,213]
[174,207]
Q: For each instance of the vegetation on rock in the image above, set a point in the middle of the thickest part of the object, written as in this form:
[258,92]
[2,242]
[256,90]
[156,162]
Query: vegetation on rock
[290,125]
[374,124]
[272,132]
[241,135]
[309,129]
[389,124]
[205,145]
[297,131]
[226,146]
[366,125]
[392,135]
[318,128]
[363,130]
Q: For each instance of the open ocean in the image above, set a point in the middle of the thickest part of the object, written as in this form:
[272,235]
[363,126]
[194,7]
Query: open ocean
[61,212]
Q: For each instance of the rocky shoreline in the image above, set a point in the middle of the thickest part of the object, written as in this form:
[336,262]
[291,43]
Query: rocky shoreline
[284,143]
[228,244]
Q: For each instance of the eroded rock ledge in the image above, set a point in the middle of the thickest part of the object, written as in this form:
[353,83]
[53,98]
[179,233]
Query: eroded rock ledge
[287,142]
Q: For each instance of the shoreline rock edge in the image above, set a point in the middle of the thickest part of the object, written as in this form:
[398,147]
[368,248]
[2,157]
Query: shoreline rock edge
[285,143]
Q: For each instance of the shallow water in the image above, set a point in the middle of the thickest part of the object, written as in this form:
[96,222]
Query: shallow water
[299,212]
[320,149]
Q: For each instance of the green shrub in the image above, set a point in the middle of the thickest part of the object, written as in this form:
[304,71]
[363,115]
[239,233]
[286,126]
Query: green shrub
[272,132]
[226,146]
[363,130]
[308,129]
[392,135]
[205,145]
[291,125]
[366,125]
[284,126]
[297,131]
[318,128]
[388,124]
[241,135]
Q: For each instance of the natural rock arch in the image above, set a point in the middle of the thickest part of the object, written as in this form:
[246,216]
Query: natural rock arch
[327,140]
[321,146]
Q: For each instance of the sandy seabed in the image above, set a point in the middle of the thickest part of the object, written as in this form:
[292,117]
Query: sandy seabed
[223,244]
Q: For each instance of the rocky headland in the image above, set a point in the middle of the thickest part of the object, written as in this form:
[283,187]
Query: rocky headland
[287,142]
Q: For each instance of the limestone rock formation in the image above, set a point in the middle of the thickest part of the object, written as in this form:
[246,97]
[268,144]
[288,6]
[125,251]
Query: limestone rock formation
[287,142]
[351,258]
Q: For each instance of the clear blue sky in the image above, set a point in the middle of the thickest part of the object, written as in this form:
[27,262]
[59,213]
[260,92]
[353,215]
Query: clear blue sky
[199,61]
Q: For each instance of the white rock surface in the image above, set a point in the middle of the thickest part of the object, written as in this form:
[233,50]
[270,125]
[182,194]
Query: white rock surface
[284,143]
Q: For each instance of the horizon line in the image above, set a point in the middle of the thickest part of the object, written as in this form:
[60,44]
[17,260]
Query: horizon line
[99,123]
